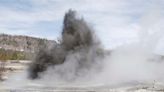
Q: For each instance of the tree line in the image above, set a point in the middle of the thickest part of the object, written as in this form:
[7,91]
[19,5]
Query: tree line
[13,55]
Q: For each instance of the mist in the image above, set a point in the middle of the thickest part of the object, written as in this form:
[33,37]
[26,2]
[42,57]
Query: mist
[139,61]
[136,62]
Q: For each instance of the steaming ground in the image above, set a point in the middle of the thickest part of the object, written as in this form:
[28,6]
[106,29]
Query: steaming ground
[80,61]
[132,64]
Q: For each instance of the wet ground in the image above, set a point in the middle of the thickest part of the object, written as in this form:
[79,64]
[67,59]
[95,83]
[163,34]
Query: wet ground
[139,88]
[16,83]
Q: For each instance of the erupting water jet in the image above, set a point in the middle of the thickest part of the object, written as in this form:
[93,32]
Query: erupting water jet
[77,38]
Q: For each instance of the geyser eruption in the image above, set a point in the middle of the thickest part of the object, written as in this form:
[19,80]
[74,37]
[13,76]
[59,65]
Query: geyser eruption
[76,33]
[79,58]
[74,56]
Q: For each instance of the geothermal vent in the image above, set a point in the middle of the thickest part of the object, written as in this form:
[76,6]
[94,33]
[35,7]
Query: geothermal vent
[78,46]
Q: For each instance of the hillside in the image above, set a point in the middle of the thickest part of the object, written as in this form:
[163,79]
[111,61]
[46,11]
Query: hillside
[18,47]
[22,43]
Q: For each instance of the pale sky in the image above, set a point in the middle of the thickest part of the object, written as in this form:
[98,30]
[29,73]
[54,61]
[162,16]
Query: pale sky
[112,20]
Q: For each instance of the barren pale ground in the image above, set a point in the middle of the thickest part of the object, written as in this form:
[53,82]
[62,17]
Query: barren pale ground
[17,82]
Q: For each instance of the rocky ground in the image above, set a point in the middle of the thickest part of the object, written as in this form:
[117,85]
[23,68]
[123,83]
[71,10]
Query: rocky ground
[12,66]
